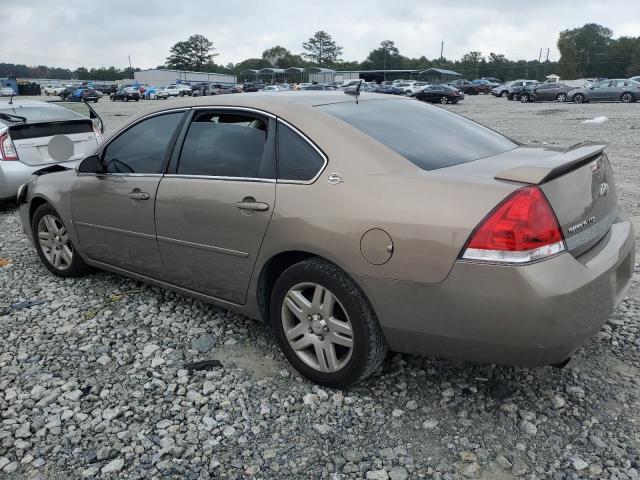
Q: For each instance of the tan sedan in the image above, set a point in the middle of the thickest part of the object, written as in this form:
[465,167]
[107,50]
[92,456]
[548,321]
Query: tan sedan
[351,227]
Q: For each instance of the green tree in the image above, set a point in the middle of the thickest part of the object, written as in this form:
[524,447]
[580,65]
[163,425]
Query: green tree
[321,49]
[195,53]
[583,50]
[276,55]
[385,57]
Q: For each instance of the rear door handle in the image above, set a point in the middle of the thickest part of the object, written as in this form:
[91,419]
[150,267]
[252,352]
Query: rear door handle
[136,194]
[250,203]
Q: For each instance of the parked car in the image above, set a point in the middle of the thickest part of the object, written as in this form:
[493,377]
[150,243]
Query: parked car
[456,228]
[35,134]
[517,87]
[156,93]
[6,92]
[389,89]
[317,86]
[497,81]
[410,87]
[199,89]
[52,89]
[125,94]
[635,79]
[555,91]
[80,93]
[253,87]
[502,90]
[105,88]
[470,88]
[617,90]
[270,88]
[176,90]
[484,85]
[440,94]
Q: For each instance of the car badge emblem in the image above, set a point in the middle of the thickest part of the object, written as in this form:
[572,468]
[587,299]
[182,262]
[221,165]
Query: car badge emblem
[334,178]
[604,189]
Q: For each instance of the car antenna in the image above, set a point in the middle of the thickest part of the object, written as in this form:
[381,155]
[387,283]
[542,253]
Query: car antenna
[12,94]
[354,91]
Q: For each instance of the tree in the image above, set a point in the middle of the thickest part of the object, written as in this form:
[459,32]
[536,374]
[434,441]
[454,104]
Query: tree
[385,57]
[583,50]
[195,53]
[321,49]
[275,55]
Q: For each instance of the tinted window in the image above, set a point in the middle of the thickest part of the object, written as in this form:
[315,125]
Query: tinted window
[226,145]
[297,160]
[141,148]
[428,136]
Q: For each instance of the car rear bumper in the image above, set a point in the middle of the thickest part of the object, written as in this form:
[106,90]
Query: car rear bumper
[12,175]
[536,314]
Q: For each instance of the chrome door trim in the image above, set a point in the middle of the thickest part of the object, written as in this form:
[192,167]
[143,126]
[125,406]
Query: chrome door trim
[213,177]
[314,146]
[200,246]
[116,230]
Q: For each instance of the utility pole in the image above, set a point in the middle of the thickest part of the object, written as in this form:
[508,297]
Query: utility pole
[441,50]
[540,56]
[130,62]
[547,59]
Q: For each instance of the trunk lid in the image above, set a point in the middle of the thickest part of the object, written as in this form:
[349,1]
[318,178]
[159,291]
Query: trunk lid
[577,181]
[36,142]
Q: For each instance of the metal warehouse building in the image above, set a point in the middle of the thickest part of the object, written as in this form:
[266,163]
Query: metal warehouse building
[166,77]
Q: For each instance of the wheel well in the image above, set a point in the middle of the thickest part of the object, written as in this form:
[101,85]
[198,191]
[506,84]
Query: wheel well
[270,274]
[36,202]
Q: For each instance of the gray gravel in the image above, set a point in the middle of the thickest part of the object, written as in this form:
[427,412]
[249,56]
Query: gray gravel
[99,380]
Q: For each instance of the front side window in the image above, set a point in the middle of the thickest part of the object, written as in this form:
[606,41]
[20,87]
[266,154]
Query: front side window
[226,145]
[142,148]
[297,159]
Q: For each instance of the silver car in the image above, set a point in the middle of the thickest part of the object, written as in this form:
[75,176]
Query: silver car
[617,90]
[35,134]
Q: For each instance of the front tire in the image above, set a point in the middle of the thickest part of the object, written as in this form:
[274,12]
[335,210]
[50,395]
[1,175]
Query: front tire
[325,325]
[578,98]
[54,245]
[561,97]
[524,98]
[444,100]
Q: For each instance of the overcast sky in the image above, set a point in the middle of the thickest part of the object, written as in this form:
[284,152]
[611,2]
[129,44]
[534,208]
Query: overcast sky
[93,34]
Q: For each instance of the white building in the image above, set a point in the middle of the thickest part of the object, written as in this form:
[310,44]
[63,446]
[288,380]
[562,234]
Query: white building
[166,77]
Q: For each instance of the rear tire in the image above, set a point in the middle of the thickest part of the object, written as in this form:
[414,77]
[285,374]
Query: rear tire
[578,98]
[54,245]
[561,97]
[444,100]
[504,93]
[524,98]
[627,97]
[348,315]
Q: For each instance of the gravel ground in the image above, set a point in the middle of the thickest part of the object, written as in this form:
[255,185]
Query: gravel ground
[100,378]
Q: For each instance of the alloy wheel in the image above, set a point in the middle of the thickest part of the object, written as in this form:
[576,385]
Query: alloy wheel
[524,98]
[626,98]
[55,242]
[317,327]
[561,97]
[578,98]
[444,100]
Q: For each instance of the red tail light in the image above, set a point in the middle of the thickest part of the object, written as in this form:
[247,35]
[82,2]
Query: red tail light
[7,148]
[523,228]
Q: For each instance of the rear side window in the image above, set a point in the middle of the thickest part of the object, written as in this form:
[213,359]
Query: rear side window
[430,137]
[226,145]
[297,159]
[141,148]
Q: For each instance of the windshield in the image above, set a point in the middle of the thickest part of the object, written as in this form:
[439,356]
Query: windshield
[428,136]
[41,114]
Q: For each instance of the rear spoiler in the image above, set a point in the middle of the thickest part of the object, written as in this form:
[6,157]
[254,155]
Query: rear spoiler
[555,165]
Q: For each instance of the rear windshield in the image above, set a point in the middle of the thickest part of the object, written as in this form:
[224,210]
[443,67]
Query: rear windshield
[42,114]
[428,136]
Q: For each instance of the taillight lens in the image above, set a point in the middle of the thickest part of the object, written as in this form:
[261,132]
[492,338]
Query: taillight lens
[7,149]
[523,228]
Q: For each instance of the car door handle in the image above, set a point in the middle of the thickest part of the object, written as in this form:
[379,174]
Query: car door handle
[251,204]
[138,195]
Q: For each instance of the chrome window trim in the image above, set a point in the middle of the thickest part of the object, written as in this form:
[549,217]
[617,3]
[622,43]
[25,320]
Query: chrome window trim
[227,107]
[314,146]
[116,230]
[213,177]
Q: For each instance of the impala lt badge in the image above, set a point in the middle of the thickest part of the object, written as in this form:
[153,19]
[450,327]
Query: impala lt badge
[581,225]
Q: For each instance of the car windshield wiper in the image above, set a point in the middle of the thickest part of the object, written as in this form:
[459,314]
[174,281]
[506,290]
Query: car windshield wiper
[13,118]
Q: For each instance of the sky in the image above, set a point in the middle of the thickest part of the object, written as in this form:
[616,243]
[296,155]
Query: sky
[95,34]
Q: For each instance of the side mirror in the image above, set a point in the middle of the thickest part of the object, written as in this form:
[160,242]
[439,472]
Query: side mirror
[91,164]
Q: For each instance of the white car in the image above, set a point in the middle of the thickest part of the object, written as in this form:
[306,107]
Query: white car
[270,88]
[178,89]
[410,87]
[52,89]
[6,91]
